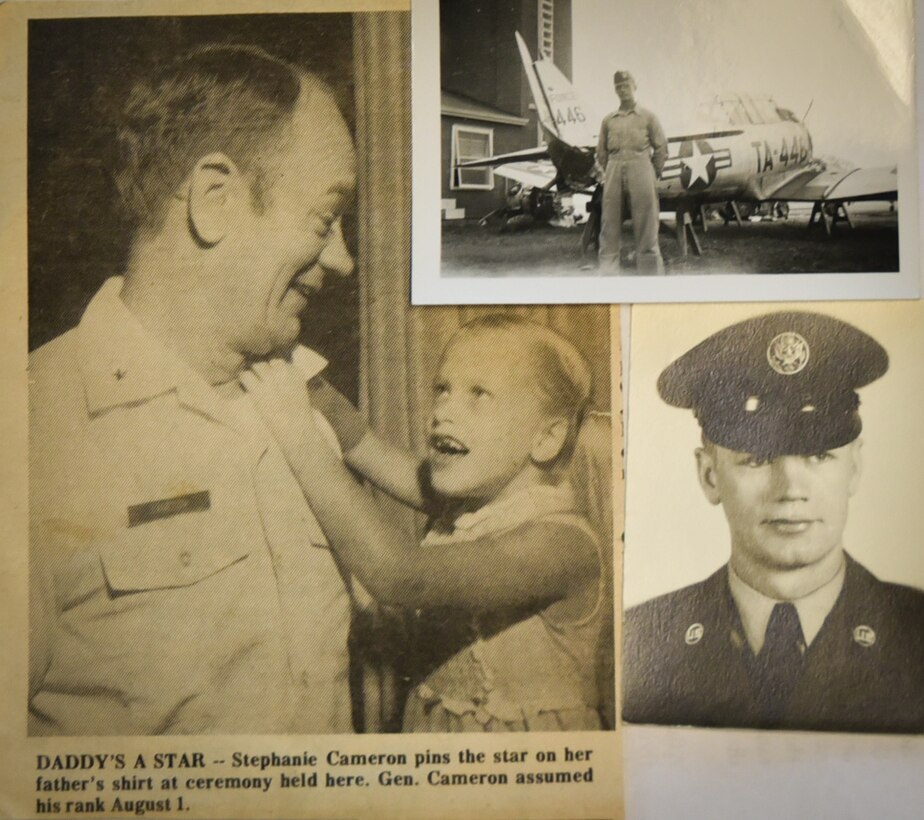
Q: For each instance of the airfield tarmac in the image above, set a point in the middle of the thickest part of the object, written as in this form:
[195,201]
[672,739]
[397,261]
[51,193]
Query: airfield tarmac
[783,246]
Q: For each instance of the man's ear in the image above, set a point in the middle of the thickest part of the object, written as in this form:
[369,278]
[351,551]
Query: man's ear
[549,441]
[214,187]
[705,468]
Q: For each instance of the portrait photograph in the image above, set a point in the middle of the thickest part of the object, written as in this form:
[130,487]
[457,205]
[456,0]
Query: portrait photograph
[772,574]
[744,166]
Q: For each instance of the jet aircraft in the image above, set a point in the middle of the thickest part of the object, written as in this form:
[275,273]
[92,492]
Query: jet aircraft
[758,152]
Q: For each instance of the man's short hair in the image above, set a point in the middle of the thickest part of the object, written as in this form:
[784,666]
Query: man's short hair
[230,98]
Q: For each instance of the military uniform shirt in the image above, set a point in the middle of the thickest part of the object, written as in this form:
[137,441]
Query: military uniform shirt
[755,608]
[686,660]
[179,581]
[633,132]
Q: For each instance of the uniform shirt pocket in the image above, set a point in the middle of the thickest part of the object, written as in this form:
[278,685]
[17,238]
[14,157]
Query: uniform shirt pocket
[173,551]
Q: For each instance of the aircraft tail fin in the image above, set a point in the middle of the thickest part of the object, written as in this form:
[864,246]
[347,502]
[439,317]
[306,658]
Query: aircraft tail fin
[561,111]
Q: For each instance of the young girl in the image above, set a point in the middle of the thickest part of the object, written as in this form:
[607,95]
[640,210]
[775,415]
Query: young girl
[514,553]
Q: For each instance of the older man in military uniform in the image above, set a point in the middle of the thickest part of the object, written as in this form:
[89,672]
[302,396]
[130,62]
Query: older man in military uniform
[632,151]
[793,632]
[179,581]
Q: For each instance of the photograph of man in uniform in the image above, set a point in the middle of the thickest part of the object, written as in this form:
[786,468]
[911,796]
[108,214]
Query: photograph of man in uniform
[792,632]
[632,151]
[179,581]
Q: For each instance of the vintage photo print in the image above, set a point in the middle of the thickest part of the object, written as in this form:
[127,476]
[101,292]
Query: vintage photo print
[773,574]
[285,536]
[668,151]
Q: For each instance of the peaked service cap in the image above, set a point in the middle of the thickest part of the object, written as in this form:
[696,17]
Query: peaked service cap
[622,77]
[779,384]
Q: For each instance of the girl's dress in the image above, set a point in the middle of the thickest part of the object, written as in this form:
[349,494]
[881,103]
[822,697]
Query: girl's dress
[524,669]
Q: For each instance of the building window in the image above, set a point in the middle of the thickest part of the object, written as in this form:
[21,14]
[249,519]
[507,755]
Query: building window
[547,29]
[470,143]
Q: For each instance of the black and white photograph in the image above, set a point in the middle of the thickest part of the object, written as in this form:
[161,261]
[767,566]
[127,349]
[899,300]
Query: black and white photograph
[203,558]
[668,151]
[773,571]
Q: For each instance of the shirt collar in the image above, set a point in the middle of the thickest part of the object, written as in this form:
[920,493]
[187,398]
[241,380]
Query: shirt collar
[755,608]
[122,363]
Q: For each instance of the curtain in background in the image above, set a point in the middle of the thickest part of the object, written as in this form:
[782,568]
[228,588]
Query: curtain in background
[402,345]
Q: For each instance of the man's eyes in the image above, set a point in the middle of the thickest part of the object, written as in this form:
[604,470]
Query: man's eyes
[323,225]
[762,461]
[756,461]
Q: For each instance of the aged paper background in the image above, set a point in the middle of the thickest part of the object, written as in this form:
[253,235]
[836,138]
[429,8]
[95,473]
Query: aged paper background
[19,755]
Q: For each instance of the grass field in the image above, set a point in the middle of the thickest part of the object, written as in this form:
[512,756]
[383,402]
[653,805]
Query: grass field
[786,246]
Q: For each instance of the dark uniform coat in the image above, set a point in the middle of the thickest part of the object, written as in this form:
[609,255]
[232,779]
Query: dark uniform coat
[687,661]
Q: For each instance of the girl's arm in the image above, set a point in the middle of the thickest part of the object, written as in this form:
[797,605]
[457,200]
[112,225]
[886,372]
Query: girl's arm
[395,470]
[537,562]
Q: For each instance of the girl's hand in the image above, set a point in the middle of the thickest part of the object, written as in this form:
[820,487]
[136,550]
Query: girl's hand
[280,394]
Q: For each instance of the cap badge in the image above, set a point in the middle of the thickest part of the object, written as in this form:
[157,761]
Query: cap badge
[694,634]
[864,635]
[788,353]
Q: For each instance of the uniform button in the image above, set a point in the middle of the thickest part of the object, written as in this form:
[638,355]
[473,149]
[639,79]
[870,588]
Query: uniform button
[864,635]
[185,558]
[694,634]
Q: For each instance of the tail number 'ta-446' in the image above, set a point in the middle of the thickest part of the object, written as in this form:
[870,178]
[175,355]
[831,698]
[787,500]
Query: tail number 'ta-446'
[571,114]
[791,153]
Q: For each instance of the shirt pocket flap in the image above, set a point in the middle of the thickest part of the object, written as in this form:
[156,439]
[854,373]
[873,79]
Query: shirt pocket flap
[172,552]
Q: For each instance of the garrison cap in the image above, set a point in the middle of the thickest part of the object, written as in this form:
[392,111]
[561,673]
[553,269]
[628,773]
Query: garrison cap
[622,77]
[779,384]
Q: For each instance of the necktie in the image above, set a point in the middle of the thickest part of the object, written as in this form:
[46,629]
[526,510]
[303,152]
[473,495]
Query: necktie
[780,663]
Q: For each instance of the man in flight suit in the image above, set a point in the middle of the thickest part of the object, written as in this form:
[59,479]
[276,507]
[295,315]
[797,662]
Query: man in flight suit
[792,633]
[632,151]
[179,582]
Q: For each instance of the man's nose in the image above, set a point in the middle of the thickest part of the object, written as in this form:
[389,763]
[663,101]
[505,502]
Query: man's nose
[791,477]
[336,257]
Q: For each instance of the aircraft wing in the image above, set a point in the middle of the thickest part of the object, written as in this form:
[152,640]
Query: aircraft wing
[539,152]
[534,174]
[839,185]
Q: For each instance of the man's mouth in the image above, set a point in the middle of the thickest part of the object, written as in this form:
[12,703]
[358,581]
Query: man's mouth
[789,526]
[447,446]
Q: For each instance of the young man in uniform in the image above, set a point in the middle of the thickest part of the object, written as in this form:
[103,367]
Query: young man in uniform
[792,633]
[632,151]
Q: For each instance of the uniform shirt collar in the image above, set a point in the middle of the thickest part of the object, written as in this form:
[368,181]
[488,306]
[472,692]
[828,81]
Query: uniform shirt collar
[754,607]
[122,363]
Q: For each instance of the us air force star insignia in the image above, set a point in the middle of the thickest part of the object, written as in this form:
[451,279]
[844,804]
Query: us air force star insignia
[864,635]
[694,634]
[788,353]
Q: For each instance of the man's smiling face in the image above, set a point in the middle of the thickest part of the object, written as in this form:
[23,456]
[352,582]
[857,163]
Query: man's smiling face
[282,252]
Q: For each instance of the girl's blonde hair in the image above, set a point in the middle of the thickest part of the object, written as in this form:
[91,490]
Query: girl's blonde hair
[561,374]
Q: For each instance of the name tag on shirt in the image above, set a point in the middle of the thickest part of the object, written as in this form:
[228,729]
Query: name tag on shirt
[168,507]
